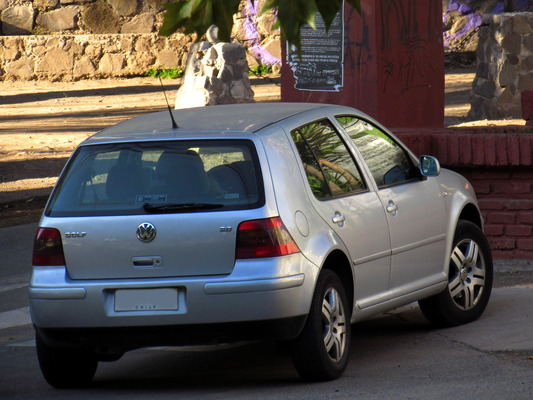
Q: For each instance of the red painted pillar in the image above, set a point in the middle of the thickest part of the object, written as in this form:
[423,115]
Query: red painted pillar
[393,64]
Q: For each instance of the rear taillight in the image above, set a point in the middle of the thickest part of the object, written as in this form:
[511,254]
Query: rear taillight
[48,249]
[264,238]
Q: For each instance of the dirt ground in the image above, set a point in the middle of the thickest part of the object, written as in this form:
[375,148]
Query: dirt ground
[42,122]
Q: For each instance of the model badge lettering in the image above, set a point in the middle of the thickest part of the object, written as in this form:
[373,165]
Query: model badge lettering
[75,234]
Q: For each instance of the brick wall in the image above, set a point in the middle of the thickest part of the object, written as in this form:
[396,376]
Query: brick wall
[499,163]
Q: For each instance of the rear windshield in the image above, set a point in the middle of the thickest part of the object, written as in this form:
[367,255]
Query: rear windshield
[159,177]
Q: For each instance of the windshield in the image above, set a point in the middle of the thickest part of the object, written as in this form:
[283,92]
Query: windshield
[161,177]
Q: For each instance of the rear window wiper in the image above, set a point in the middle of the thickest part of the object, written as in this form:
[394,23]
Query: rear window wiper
[179,207]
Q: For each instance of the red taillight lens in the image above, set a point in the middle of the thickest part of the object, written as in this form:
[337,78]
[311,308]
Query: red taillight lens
[48,249]
[264,238]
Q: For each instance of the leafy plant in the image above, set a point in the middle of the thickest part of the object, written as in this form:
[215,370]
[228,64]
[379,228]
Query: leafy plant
[196,16]
[260,70]
[165,73]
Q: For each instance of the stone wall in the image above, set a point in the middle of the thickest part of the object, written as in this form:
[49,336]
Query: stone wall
[462,18]
[104,38]
[74,57]
[80,17]
[504,66]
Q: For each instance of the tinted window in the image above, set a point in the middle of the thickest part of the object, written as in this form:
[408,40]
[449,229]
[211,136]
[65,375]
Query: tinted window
[330,168]
[386,159]
[135,178]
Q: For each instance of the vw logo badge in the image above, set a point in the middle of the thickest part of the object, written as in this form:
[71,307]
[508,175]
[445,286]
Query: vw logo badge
[146,232]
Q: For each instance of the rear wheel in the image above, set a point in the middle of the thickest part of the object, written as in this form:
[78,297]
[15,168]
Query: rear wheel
[469,280]
[321,352]
[65,367]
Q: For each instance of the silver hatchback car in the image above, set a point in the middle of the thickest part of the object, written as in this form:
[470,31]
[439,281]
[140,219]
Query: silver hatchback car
[257,221]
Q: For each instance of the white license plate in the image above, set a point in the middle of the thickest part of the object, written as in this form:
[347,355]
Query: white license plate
[146,299]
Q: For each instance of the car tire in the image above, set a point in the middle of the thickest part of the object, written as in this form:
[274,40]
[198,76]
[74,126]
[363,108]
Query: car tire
[321,351]
[65,367]
[469,280]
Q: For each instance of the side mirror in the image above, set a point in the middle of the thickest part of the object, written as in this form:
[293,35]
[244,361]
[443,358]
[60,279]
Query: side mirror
[429,166]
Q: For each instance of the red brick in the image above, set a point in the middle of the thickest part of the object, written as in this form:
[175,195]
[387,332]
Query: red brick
[501,150]
[502,244]
[513,149]
[518,230]
[524,174]
[520,204]
[511,187]
[482,187]
[504,218]
[478,146]
[492,174]
[524,244]
[441,148]
[525,218]
[492,204]
[503,255]
[490,150]
[494,230]
[465,149]
[526,149]
[453,150]
[522,255]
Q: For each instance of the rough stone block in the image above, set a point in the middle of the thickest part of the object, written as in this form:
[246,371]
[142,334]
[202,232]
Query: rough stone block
[21,69]
[84,68]
[143,23]
[17,20]
[55,62]
[100,18]
[45,4]
[59,20]
[111,64]
[125,8]
[168,59]
[521,25]
[512,43]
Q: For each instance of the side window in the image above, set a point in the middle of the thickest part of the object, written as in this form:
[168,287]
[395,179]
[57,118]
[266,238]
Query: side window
[386,159]
[329,166]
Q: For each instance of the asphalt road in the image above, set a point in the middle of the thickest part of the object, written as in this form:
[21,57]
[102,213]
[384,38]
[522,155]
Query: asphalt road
[395,356]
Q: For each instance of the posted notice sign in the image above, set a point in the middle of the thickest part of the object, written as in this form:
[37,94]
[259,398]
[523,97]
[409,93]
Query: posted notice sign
[320,66]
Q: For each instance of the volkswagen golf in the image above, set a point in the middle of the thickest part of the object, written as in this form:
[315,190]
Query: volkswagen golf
[286,222]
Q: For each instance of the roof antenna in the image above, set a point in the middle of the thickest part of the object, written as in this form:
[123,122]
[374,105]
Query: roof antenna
[174,125]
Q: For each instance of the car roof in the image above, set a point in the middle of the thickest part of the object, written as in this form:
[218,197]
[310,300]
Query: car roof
[248,117]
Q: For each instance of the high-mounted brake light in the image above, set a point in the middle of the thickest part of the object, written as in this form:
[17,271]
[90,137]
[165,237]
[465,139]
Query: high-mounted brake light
[264,238]
[48,248]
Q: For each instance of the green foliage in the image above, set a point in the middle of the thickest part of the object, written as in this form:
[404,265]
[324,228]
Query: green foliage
[165,73]
[260,70]
[196,16]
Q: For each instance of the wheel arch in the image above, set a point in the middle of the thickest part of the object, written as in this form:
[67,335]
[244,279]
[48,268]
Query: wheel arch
[338,262]
[471,213]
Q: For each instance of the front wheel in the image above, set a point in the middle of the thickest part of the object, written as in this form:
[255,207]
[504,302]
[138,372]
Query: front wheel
[469,280]
[65,367]
[321,352]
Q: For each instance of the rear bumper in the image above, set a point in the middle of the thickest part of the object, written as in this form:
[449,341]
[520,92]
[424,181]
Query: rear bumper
[120,340]
[260,298]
